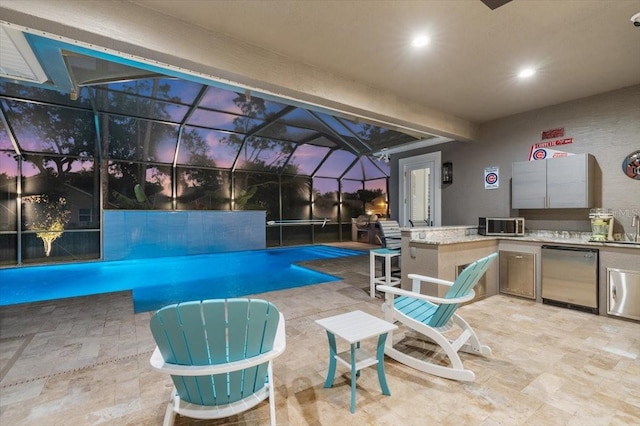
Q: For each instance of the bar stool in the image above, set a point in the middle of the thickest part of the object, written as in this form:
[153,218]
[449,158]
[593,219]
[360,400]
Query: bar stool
[386,255]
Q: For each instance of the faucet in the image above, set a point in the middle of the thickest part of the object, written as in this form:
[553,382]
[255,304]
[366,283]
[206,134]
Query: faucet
[635,221]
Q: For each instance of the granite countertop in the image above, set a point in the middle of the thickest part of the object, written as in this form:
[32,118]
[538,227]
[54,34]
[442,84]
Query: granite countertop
[467,234]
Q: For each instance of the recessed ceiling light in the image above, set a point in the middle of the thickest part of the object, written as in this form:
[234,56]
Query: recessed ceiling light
[526,73]
[420,41]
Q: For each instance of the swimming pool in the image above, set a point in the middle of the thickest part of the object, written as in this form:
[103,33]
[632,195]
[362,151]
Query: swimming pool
[162,281]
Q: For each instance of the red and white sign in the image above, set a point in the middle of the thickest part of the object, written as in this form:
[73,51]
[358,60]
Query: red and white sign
[553,133]
[544,153]
[543,150]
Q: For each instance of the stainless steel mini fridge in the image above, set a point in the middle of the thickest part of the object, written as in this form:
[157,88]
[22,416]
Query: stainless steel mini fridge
[570,277]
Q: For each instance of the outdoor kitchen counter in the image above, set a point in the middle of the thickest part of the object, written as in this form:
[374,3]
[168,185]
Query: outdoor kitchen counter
[442,251]
[466,234]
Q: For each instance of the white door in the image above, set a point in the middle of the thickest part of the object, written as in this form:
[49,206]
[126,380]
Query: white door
[419,192]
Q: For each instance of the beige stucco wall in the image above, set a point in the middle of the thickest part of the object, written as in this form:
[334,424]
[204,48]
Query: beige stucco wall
[442,261]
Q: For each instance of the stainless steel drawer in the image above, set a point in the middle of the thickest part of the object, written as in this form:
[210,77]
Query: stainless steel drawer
[623,290]
[518,273]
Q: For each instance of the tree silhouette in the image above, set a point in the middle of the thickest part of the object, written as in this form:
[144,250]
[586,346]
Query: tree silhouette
[255,108]
[135,141]
[70,133]
[265,176]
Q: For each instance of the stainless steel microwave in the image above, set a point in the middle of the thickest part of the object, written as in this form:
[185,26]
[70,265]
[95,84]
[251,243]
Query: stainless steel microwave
[506,226]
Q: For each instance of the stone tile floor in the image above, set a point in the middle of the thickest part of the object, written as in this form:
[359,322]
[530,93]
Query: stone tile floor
[85,361]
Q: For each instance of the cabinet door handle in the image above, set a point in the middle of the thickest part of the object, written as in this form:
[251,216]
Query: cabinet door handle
[519,257]
[613,292]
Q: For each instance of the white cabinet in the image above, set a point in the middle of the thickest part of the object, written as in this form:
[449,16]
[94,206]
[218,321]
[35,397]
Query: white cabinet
[564,182]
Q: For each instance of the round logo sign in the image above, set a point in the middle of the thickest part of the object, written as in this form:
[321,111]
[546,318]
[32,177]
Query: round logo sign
[491,178]
[540,154]
[631,165]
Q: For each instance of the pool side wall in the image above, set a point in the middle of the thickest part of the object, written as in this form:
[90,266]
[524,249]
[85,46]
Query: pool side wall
[133,234]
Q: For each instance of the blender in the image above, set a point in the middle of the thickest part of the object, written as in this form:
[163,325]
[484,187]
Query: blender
[601,224]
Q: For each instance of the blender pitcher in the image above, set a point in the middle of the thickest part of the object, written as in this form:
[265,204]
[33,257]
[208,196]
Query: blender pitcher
[601,224]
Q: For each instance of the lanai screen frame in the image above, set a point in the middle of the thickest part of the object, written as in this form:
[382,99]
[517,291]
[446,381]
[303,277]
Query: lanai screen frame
[273,129]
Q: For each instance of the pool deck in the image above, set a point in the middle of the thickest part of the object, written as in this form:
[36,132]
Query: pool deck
[85,361]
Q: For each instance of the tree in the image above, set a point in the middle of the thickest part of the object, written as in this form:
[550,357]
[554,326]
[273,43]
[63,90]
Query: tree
[68,132]
[256,190]
[133,146]
[48,219]
[255,108]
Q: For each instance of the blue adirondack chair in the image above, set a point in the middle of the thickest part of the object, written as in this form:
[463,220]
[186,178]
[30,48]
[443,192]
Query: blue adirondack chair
[219,355]
[434,317]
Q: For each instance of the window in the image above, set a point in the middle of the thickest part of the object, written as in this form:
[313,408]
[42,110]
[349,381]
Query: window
[84,215]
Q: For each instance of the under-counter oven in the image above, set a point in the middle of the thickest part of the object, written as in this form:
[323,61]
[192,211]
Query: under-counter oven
[570,277]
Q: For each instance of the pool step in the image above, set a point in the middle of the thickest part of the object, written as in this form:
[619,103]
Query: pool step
[330,251]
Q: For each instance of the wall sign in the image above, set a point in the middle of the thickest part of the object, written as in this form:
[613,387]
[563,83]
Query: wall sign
[544,153]
[543,150]
[553,133]
[491,178]
[631,165]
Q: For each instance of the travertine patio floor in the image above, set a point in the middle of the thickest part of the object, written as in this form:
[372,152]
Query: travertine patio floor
[85,361]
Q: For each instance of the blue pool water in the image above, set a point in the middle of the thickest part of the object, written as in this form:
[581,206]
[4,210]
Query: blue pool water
[162,281]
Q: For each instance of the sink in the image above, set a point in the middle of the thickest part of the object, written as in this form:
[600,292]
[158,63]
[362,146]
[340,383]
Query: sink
[626,241]
[626,238]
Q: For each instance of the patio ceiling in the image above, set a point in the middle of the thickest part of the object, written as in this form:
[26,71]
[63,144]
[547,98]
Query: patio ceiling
[222,120]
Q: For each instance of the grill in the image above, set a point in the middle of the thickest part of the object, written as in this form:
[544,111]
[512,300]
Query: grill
[364,220]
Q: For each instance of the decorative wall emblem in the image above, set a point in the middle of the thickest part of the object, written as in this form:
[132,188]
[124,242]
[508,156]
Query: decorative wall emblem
[631,165]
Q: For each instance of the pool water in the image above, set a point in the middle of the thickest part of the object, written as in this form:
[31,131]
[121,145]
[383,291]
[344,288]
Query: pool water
[162,281]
